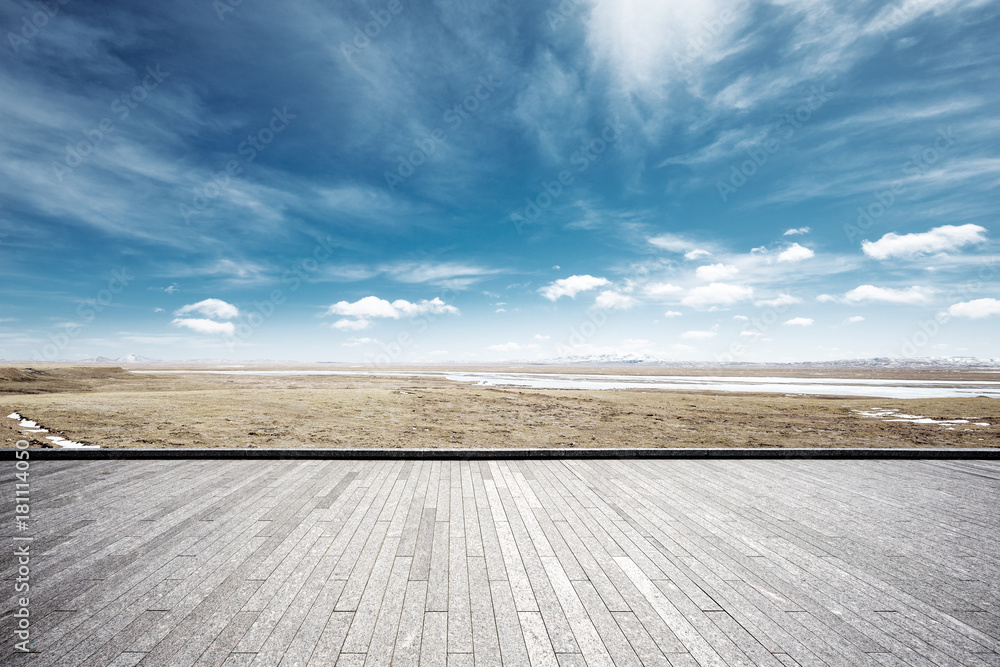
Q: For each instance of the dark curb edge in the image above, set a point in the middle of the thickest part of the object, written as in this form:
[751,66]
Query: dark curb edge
[486,454]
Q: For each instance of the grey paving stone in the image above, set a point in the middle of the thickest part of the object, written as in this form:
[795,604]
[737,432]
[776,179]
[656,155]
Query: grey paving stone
[488,562]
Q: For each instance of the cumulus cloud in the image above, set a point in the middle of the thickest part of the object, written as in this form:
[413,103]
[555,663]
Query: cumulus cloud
[697,253]
[717,294]
[364,310]
[795,253]
[611,300]
[798,230]
[672,313]
[778,301]
[215,308]
[938,240]
[372,306]
[866,293]
[661,289]
[854,319]
[572,286]
[205,326]
[800,322]
[975,309]
[714,272]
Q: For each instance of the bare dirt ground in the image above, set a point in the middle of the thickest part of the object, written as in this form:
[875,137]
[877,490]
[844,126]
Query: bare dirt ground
[113,408]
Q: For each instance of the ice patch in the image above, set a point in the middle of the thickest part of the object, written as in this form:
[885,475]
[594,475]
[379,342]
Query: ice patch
[14,415]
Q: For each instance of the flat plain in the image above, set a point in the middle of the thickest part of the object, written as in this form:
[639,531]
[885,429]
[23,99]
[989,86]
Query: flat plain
[112,408]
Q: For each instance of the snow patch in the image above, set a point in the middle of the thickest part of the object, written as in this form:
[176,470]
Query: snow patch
[892,415]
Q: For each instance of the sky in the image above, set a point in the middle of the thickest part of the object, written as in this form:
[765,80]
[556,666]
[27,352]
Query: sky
[393,182]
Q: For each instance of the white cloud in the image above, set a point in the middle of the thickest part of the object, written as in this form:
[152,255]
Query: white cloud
[661,289]
[753,334]
[372,306]
[448,274]
[778,301]
[216,308]
[673,313]
[863,293]
[937,240]
[505,347]
[354,342]
[800,322]
[697,253]
[799,230]
[699,335]
[741,317]
[572,286]
[717,294]
[351,325]
[975,309]
[713,272]
[205,326]
[854,319]
[541,337]
[673,243]
[611,300]
[795,253]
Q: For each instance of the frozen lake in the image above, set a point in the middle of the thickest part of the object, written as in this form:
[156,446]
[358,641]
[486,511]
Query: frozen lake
[876,388]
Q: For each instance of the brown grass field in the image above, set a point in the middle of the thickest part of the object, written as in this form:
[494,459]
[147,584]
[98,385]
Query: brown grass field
[113,408]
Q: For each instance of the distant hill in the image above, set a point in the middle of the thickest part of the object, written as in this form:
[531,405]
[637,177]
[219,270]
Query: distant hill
[873,362]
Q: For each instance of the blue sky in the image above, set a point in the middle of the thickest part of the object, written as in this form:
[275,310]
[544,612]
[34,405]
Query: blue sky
[398,181]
